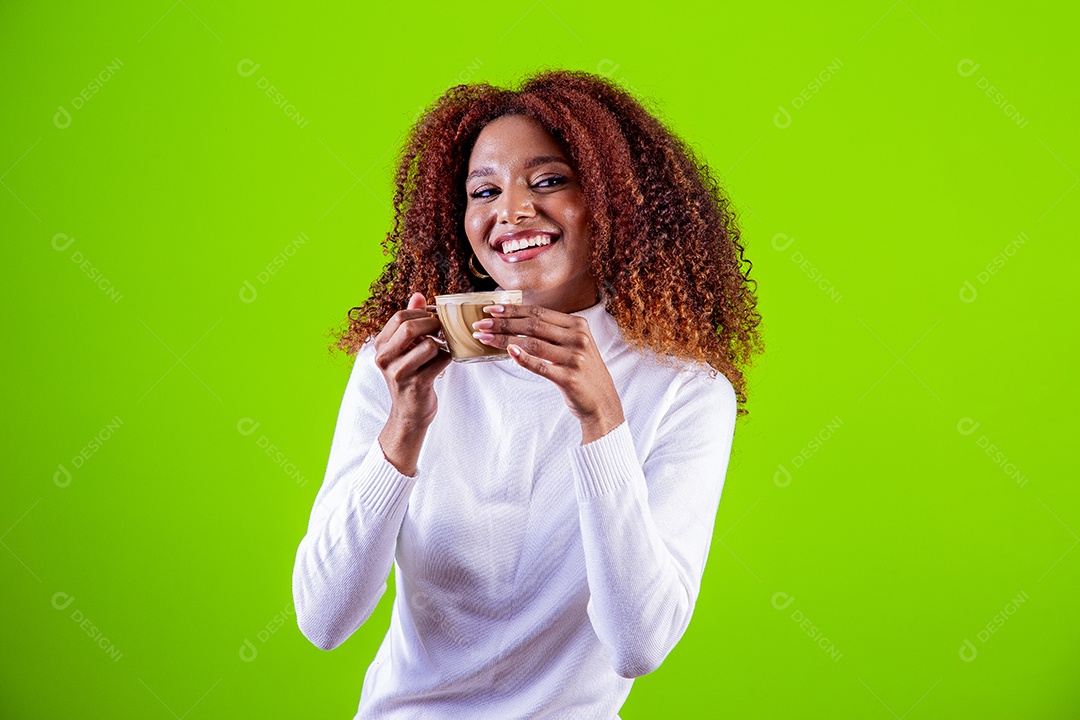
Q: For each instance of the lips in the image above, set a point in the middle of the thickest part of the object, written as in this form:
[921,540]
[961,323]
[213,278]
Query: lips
[523,255]
[499,241]
[512,239]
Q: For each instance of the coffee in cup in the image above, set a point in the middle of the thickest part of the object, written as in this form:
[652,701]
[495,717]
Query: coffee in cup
[458,312]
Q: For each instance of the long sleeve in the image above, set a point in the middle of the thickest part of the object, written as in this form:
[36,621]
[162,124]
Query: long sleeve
[647,526]
[344,560]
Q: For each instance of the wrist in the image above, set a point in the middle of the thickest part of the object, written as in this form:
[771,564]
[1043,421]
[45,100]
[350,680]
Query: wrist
[405,424]
[401,441]
[596,427]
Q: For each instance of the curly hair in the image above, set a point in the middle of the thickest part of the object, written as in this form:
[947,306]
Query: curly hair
[666,247]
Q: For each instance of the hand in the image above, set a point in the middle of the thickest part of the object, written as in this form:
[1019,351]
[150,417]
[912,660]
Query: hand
[409,361]
[561,348]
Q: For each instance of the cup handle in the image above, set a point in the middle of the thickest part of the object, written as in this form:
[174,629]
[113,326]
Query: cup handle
[438,341]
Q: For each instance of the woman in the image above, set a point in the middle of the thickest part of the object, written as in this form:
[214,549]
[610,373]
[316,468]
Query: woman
[548,516]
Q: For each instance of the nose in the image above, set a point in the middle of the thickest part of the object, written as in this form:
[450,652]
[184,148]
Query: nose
[515,203]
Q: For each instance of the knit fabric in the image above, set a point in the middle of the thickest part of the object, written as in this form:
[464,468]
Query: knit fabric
[535,577]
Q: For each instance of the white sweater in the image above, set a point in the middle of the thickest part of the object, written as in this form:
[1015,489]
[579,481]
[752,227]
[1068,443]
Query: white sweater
[534,576]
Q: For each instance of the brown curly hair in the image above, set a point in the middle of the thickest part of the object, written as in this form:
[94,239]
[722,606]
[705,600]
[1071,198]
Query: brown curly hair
[666,245]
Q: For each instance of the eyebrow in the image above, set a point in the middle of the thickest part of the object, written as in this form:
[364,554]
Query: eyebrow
[533,162]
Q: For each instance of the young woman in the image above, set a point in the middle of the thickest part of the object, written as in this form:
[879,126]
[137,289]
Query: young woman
[547,517]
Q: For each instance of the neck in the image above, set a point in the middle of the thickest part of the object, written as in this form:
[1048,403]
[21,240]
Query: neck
[556,298]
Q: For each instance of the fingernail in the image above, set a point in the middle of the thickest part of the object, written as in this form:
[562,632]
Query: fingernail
[484,324]
[483,337]
[493,308]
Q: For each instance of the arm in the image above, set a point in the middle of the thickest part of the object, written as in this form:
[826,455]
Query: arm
[343,561]
[646,527]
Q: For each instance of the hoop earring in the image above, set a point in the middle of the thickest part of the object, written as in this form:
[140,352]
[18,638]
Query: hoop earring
[473,269]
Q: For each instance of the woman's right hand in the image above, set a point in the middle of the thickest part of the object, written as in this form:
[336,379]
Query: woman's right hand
[409,362]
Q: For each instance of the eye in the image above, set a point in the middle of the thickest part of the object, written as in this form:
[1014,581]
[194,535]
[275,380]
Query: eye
[483,193]
[552,181]
[546,183]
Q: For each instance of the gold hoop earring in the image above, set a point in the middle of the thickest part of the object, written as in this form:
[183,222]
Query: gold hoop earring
[473,269]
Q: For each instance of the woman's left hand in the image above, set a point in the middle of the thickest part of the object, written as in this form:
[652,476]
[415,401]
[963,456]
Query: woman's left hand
[559,347]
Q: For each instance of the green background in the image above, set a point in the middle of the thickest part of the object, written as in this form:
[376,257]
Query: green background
[875,179]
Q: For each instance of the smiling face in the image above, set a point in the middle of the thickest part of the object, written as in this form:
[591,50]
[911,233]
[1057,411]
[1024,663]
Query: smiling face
[522,190]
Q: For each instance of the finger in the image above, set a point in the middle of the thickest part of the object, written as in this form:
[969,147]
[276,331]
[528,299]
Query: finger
[417,303]
[435,366]
[440,341]
[532,311]
[529,327]
[535,364]
[534,346]
[411,331]
[395,321]
[405,337]
[412,361]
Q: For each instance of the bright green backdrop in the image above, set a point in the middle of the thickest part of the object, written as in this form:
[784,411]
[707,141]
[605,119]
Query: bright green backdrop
[897,533]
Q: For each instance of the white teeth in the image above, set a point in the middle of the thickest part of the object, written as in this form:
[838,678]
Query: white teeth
[515,245]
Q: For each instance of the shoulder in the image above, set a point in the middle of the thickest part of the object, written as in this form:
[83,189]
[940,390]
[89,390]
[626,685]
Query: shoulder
[678,394]
[687,377]
[698,395]
[702,378]
[709,389]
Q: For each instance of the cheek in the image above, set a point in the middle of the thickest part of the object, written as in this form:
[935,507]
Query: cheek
[576,215]
[473,226]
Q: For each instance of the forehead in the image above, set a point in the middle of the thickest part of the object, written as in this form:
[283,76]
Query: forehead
[512,140]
